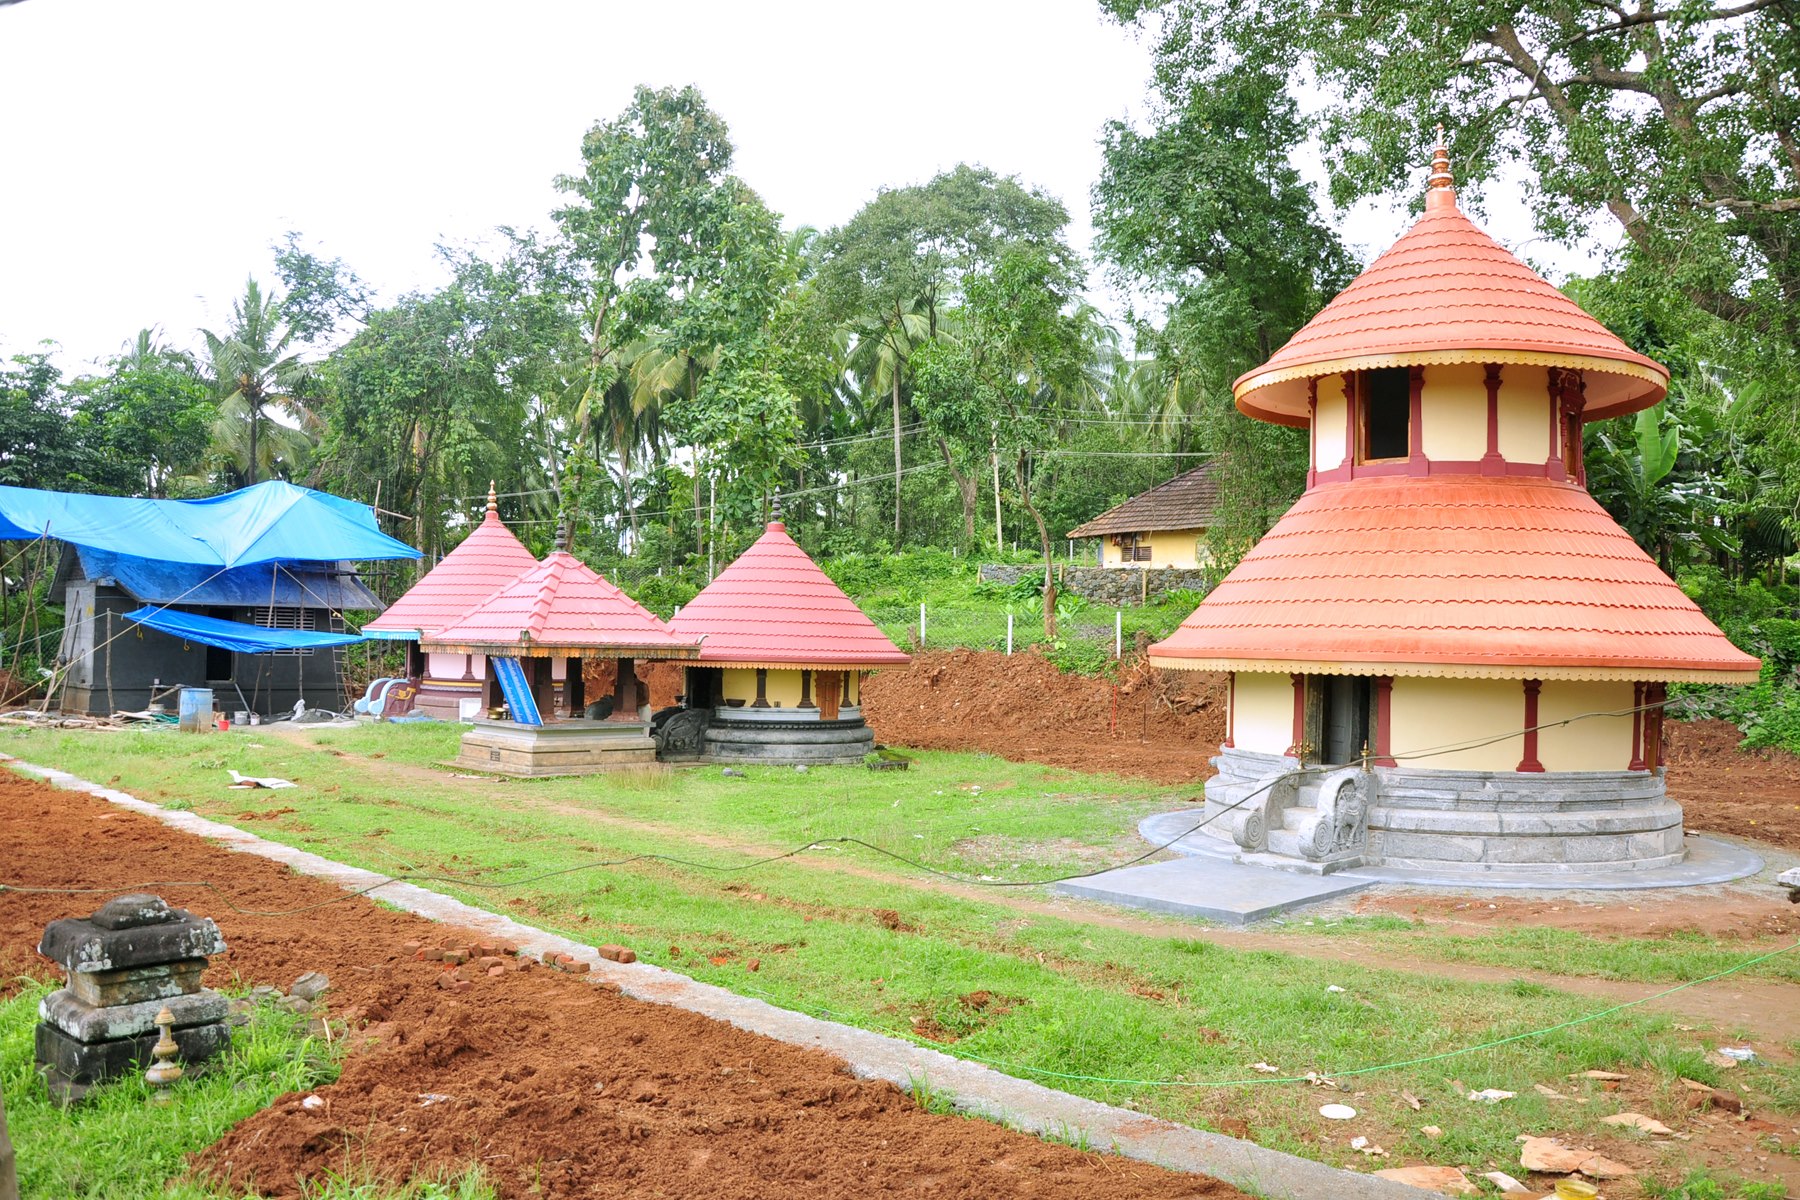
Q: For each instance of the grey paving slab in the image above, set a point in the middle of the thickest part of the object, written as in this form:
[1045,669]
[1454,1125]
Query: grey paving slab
[1708,861]
[1213,888]
[972,1087]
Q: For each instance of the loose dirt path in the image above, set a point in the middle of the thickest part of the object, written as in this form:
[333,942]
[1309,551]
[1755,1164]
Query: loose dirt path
[558,1088]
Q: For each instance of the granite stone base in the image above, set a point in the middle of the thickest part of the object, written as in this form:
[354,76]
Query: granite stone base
[577,746]
[71,1067]
[807,742]
[1463,822]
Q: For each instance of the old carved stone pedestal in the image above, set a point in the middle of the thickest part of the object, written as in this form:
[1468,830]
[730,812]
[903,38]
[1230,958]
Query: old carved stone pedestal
[125,963]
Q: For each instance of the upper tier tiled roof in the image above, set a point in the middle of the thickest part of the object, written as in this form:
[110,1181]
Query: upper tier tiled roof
[486,561]
[562,606]
[1184,502]
[773,607]
[1471,577]
[1447,292]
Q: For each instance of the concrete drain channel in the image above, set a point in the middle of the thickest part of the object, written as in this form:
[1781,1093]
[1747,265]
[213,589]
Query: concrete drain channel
[972,1087]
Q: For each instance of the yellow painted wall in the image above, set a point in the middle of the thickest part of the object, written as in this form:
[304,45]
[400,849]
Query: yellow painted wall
[1168,547]
[1262,717]
[783,690]
[1593,744]
[1434,712]
[1524,414]
[1453,411]
[1328,429]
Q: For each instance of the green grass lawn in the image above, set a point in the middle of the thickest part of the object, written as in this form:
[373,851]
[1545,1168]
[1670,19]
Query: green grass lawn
[1132,1016]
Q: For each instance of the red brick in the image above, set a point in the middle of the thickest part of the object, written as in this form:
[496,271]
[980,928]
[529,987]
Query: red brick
[578,968]
[495,971]
[410,948]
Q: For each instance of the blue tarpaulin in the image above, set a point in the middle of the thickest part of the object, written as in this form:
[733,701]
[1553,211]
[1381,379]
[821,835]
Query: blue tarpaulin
[268,522]
[234,635]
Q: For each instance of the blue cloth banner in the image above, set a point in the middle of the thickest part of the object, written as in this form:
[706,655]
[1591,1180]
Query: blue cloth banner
[235,635]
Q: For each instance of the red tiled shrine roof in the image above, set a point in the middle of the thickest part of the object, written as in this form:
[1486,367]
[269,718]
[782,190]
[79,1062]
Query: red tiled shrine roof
[1448,293]
[486,561]
[773,607]
[562,607]
[1479,577]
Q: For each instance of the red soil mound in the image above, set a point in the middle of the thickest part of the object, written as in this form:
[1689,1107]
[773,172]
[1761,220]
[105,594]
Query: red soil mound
[1749,793]
[1161,725]
[558,1088]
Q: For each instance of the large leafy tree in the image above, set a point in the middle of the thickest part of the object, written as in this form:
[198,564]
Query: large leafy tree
[1677,123]
[1205,207]
[1021,353]
[148,419]
[889,275]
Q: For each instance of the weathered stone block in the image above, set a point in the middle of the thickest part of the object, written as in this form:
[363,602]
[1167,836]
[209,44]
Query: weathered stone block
[83,945]
[157,981]
[71,1067]
[92,1023]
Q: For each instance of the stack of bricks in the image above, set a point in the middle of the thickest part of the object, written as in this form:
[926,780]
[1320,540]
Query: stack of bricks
[127,961]
[464,963]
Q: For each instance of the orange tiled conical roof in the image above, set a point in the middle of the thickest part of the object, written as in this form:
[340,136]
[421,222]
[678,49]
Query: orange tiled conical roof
[773,607]
[562,606]
[1453,576]
[486,561]
[1447,292]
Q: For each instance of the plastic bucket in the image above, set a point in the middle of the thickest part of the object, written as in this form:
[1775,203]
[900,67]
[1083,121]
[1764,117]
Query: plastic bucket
[195,714]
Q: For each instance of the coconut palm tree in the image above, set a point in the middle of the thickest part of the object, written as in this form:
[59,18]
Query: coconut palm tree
[256,377]
[879,358]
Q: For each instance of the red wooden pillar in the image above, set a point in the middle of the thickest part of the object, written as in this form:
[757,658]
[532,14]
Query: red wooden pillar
[1655,696]
[1294,750]
[1415,423]
[1491,462]
[1384,721]
[1312,432]
[627,691]
[1352,443]
[1530,761]
[1230,712]
[1637,729]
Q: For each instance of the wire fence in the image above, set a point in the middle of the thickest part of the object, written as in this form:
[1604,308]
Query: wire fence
[1087,633]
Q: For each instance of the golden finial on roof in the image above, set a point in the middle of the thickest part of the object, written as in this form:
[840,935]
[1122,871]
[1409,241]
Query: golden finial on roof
[493,499]
[1440,189]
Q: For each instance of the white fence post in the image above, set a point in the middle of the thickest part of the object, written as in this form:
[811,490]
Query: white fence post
[1119,633]
[921,624]
[1009,619]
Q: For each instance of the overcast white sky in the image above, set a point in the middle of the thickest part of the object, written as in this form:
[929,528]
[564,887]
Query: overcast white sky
[151,153]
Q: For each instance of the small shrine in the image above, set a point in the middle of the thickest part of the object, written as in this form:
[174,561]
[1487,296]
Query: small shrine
[450,684]
[780,670]
[1446,655]
[541,626]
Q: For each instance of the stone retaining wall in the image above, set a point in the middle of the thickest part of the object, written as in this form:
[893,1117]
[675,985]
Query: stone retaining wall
[1115,587]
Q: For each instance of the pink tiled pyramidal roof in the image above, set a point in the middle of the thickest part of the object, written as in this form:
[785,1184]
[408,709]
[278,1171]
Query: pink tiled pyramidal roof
[562,606]
[773,607]
[1453,576]
[486,561]
[1447,292]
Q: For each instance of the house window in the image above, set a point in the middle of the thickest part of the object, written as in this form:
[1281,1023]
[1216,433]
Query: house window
[1134,547]
[1386,396]
[283,617]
